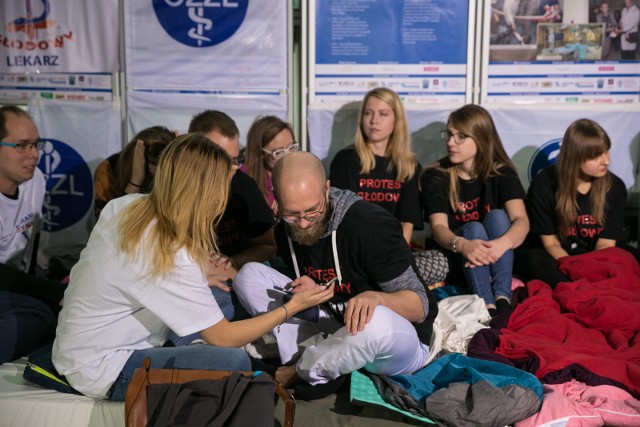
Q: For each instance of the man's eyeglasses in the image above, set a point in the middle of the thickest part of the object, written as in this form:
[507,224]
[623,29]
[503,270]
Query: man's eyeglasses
[39,145]
[458,137]
[276,154]
[309,217]
[238,161]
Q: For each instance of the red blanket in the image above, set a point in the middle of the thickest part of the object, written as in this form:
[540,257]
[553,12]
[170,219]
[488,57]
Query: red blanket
[592,321]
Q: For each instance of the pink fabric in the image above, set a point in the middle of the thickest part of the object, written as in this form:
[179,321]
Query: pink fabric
[592,321]
[583,406]
[516,283]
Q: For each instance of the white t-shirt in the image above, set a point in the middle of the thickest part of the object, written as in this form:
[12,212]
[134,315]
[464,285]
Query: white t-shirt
[111,308]
[20,221]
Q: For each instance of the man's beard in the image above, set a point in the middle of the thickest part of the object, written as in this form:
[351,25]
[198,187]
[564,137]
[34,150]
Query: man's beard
[310,235]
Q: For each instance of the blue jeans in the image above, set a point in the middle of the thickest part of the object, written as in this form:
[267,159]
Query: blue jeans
[199,356]
[230,307]
[490,281]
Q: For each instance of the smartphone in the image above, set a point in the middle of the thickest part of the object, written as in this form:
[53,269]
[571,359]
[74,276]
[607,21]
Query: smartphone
[327,284]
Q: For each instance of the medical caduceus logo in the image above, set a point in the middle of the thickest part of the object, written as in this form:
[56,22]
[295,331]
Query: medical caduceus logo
[200,23]
[30,24]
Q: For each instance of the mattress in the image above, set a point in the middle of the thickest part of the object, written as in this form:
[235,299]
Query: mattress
[25,404]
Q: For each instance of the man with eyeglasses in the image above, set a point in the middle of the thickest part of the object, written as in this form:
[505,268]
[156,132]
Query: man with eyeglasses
[381,316]
[245,232]
[28,305]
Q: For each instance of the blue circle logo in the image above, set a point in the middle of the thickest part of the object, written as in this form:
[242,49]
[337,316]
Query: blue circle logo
[201,23]
[69,185]
[544,156]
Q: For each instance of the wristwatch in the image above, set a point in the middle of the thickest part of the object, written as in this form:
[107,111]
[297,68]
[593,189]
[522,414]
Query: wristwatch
[453,245]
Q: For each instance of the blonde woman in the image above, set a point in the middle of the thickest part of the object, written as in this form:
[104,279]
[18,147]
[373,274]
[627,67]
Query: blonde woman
[474,202]
[143,273]
[269,139]
[577,205]
[380,166]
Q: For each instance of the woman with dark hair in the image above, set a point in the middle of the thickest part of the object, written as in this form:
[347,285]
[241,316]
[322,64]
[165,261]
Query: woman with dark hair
[131,170]
[474,203]
[576,206]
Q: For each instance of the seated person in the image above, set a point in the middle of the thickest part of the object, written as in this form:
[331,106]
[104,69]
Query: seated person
[269,139]
[380,167]
[245,232]
[576,206]
[381,316]
[132,169]
[28,305]
[142,274]
[474,202]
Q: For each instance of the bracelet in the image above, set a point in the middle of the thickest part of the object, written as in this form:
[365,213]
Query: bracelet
[135,185]
[286,316]
[453,245]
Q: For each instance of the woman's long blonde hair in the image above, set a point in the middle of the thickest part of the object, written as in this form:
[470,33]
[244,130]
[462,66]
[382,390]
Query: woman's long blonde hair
[583,140]
[183,209]
[399,147]
[476,123]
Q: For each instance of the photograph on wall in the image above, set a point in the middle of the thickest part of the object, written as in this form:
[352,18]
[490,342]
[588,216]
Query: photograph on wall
[572,42]
[514,27]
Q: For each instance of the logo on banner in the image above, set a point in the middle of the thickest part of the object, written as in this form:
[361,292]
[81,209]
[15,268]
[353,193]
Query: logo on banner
[34,33]
[201,23]
[69,185]
[544,156]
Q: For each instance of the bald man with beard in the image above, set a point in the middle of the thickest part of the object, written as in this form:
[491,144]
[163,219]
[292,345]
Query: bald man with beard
[381,315]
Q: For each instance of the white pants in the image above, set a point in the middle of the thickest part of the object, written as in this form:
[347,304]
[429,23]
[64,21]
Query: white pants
[388,345]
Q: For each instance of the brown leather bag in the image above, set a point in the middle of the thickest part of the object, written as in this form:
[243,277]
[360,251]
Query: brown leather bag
[135,404]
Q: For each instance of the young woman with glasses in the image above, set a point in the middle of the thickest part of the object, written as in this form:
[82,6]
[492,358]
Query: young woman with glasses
[380,166]
[474,203]
[269,139]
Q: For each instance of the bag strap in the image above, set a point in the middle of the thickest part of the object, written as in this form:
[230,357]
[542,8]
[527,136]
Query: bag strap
[174,399]
[235,388]
[289,404]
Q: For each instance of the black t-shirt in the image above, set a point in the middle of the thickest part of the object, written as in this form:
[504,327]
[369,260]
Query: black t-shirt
[247,216]
[366,258]
[379,186]
[584,233]
[477,197]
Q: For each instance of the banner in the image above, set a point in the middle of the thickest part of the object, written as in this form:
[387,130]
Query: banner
[532,138]
[418,48]
[225,45]
[59,36]
[175,110]
[77,137]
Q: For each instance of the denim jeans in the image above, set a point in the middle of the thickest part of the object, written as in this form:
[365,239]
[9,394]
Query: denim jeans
[198,356]
[230,307]
[490,281]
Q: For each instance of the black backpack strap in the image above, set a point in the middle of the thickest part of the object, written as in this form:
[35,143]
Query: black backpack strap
[174,399]
[236,386]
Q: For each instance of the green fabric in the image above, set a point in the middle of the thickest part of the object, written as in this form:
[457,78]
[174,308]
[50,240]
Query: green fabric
[364,392]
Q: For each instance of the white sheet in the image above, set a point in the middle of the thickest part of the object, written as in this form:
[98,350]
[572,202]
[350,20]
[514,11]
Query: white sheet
[25,404]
